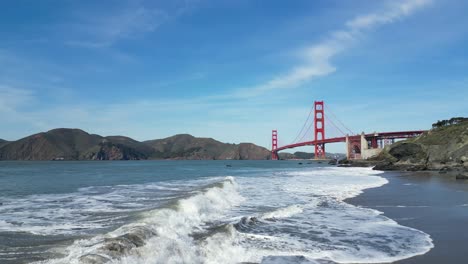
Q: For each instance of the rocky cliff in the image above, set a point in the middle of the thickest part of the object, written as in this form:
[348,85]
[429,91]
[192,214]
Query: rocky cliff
[76,144]
[443,147]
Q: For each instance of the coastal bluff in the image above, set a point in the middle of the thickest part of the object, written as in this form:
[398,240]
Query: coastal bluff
[443,148]
[76,144]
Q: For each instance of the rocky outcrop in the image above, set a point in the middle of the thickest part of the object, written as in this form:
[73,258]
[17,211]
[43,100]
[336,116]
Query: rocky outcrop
[356,163]
[114,248]
[442,148]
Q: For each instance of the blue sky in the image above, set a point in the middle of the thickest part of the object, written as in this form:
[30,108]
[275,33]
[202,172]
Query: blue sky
[231,70]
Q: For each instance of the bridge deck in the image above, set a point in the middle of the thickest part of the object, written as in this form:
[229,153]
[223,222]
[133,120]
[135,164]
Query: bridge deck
[383,135]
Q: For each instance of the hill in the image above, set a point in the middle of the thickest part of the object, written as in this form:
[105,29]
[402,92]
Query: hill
[72,144]
[54,144]
[443,147]
[185,146]
[3,142]
[76,144]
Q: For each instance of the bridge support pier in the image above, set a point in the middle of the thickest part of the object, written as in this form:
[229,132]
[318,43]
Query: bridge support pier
[348,147]
[364,144]
[372,150]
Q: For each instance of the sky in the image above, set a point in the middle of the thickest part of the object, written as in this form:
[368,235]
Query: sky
[232,70]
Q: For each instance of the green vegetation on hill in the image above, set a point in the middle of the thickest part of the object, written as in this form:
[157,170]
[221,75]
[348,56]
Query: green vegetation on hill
[451,121]
[445,146]
[76,144]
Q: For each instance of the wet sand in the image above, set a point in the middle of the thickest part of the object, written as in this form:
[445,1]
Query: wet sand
[434,203]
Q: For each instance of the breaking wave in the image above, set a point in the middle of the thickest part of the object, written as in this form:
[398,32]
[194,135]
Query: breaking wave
[283,217]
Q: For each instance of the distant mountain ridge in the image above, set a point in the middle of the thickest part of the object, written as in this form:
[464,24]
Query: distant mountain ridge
[189,147]
[76,144]
[3,142]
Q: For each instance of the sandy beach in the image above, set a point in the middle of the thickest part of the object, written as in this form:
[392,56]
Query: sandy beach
[433,203]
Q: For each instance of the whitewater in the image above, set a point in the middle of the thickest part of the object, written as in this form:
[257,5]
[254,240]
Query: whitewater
[251,212]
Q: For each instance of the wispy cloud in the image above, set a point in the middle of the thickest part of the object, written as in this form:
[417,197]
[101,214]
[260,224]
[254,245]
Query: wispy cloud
[103,31]
[393,12]
[12,98]
[317,58]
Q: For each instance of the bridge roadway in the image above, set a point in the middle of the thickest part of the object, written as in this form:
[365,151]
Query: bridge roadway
[384,135]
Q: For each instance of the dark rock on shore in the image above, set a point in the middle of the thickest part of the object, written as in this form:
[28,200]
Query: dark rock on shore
[356,163]
[390,166]
[94,259]
[462,176]
[445,170]
[117,247]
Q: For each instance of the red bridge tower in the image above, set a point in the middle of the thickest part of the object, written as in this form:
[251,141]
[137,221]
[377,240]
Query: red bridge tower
[274,144]
[319,129]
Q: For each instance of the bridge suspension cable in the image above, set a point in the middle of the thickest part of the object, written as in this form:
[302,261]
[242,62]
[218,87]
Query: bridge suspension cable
[302,129]
[307,132]
[339,121]
[322,123]
[333,121]
[334,125]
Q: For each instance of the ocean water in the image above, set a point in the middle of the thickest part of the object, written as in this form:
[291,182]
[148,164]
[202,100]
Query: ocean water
[195,212]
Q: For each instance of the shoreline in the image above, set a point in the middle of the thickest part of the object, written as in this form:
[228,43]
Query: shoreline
[429,202]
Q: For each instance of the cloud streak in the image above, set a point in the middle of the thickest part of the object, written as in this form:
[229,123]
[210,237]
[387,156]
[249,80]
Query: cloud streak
[13,98]
[105,31]
[317,58]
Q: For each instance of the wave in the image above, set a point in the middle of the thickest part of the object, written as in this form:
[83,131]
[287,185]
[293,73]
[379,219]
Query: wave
[287,217]
[89,210]
[311,219]
[163,235]
[284,212]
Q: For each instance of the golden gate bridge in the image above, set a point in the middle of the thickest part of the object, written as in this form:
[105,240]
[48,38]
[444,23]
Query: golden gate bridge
[358,146]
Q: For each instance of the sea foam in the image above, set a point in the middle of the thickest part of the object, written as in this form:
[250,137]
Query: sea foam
[280,217]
